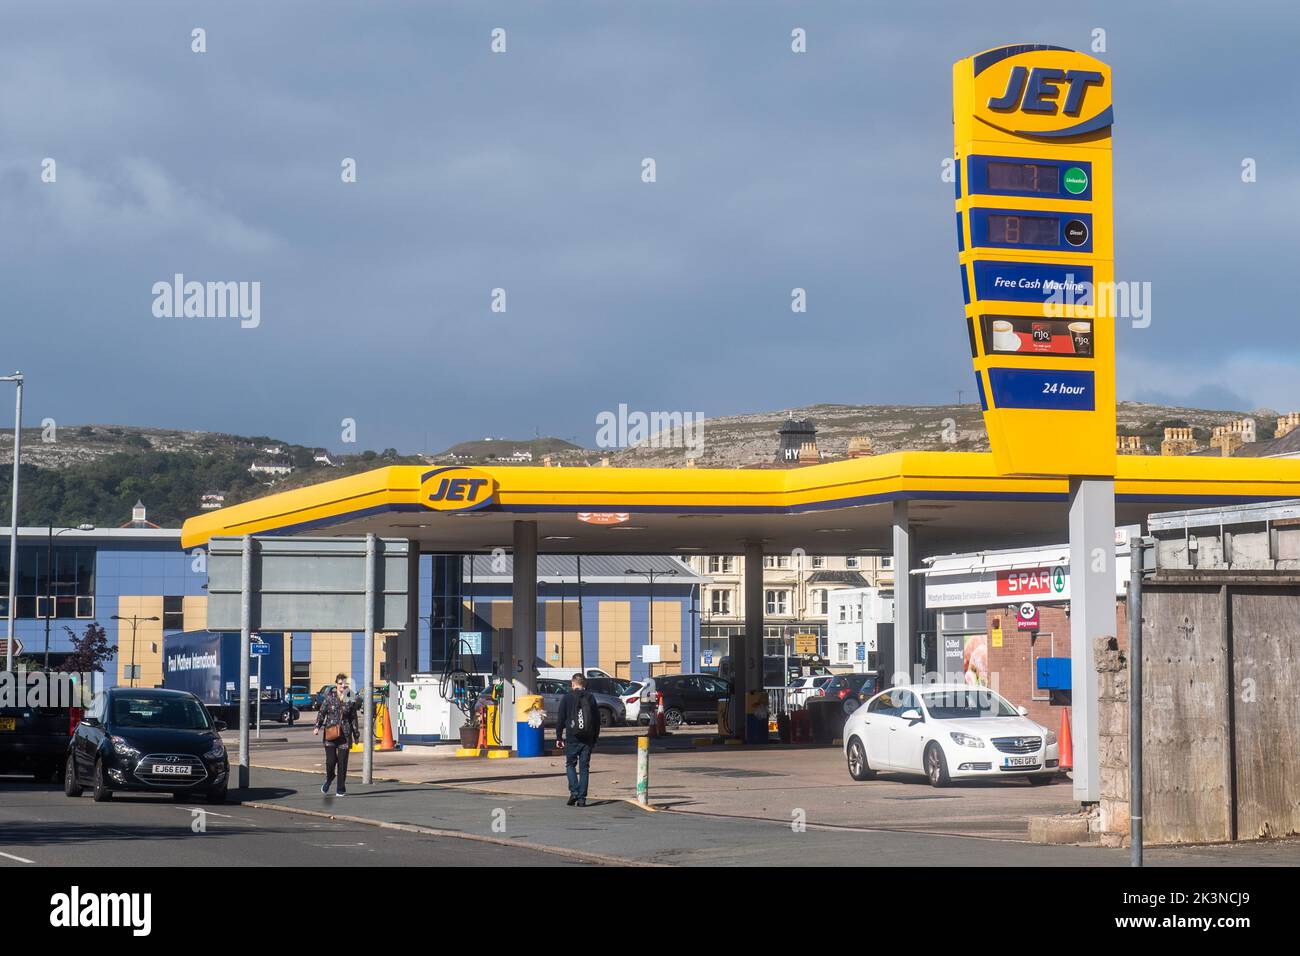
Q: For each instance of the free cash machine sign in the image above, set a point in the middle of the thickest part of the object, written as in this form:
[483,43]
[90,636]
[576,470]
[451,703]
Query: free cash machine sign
[1035,246]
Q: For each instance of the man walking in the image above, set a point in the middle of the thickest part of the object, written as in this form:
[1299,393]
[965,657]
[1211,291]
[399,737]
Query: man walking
[576,728]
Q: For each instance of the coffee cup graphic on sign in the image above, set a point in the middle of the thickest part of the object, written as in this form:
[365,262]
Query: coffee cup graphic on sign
[1081,335]
[1005,338]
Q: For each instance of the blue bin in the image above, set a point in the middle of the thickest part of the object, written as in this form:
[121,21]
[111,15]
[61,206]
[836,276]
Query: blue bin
[755,729]
[529,741]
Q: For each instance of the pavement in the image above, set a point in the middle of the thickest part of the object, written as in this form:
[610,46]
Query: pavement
[39,826]
[710,806]
[774,783]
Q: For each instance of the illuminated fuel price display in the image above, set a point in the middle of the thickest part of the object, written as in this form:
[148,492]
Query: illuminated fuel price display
[1032,141]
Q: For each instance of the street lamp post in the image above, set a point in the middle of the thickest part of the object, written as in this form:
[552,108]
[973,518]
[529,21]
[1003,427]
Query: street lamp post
[135,622]
[51,534]
[651,594]
[17,379]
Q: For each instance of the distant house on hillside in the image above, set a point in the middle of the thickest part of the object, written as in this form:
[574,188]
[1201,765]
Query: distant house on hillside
[322,457]
[520,455]
[270,468]
[212,500]
[273,449]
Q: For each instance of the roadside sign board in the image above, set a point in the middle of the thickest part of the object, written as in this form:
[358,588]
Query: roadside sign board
[260,648]
[1032,152]
[805,644]
[4,647]
[473,640]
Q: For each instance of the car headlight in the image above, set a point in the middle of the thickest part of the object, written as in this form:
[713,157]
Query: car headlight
[966,740]
[217,752]
[1051,738]
[122,747]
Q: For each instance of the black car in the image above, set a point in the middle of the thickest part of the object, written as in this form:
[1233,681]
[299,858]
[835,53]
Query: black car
[159,741]
[33,740]
[688,698]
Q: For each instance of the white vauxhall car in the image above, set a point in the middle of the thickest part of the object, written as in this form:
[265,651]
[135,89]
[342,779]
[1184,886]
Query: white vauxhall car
[947,732]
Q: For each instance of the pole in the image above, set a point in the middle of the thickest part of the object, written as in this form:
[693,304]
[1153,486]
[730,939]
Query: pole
[1135,699]
[16,378]
[582,650]
[368,747]
[643,770]
[245,648]
[134,624]
[259,695]
[49,586]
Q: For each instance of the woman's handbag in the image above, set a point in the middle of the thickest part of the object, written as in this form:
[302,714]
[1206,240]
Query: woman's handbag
[333,733]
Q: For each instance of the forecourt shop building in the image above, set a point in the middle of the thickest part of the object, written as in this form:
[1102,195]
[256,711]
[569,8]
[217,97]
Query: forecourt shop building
[1033,210]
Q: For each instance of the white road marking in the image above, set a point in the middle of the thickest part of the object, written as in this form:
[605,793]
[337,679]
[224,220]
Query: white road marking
[18,858]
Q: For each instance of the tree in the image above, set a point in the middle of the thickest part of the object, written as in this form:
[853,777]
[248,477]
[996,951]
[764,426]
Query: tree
[90,651]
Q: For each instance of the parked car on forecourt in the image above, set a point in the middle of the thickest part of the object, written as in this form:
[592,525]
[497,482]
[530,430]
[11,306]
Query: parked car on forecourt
[852,689]
[301,698]
[611,709]
[803,689]
[628,691]
[947,732]
[688,698]
[162,741]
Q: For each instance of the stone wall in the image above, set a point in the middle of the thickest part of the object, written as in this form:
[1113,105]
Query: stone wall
[1112,725]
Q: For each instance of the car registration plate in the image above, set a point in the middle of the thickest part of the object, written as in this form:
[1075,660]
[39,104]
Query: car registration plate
[1019,761]
[8,723]
[175,769]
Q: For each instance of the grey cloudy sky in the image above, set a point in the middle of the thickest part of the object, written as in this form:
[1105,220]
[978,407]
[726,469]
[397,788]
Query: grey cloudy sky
[522,171]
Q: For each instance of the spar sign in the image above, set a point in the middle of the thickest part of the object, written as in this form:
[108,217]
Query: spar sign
[1005,586]
[1032,582]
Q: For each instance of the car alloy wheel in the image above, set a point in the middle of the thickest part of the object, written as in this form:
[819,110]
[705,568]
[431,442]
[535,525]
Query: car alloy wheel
[936,767]
[606,717]
[859,769]
[71,787]
[102,792]
[673,718]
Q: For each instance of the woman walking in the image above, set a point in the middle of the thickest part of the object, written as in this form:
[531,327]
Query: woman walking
[338,716]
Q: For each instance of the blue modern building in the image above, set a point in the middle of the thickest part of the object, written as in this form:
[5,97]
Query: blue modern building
[139,585]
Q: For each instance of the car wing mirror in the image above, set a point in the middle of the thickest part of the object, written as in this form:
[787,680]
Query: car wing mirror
[220,725]
[1022,710]
[911,715]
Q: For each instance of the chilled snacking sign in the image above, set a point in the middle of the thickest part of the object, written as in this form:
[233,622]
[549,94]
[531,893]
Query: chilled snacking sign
[1034,238]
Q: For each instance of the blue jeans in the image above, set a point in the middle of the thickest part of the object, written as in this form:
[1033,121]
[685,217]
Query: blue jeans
[579,753]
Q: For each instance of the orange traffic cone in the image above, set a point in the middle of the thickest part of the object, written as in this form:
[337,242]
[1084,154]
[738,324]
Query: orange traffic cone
[1064,744]
[387,742]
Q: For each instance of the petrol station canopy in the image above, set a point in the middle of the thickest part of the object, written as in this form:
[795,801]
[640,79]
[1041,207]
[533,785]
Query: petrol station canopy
[956,501]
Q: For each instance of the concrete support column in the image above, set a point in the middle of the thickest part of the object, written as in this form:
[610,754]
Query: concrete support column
[523,605]
[747,658]
[403,651]
[906,651]
[1092,615]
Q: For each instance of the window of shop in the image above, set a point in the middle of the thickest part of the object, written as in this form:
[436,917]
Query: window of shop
[778,602]
[820,601]
[722,564]
[720,602]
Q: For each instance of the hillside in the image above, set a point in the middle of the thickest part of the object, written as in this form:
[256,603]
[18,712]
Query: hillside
[737,441]
[95,473]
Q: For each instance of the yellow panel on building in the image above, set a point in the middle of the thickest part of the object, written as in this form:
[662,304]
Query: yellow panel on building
[194,612]
[561,635]
[331,654]
[615,623]
[667,637]
[145,649]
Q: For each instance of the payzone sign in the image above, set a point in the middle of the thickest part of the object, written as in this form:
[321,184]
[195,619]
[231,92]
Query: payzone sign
[1035,242]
